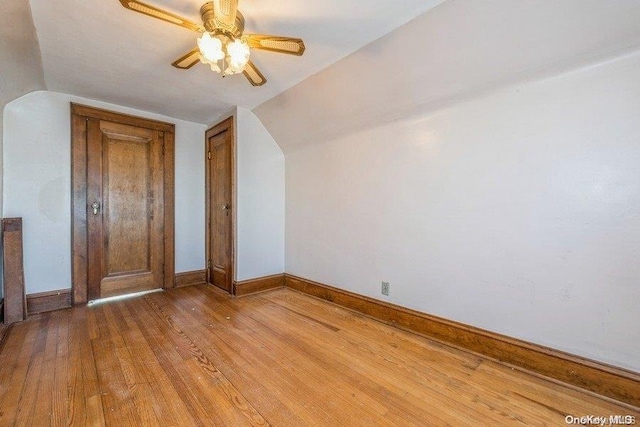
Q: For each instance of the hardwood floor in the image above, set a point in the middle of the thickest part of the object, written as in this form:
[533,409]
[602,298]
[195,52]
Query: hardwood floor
[194,356]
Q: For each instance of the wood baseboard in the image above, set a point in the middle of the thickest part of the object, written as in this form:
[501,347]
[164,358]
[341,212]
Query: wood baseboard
[606,380]
[190,278]
[48,301]
[261,284]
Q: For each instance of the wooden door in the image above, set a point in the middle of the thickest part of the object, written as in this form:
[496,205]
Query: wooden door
[126,203]
[220,206]
[125,196]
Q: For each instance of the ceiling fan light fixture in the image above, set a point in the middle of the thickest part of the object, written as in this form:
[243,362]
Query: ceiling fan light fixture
[213,65]
[210,47]
[222,43]
[239,53]
[223,54]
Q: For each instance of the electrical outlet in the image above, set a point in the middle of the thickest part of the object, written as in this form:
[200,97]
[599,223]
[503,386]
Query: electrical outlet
[385,288]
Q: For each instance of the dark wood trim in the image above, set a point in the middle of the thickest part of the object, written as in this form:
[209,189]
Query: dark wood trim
[95,224]
[606,380]
[15,304]
[169,209]
[126,119]
[190,278]
[228,125]
[79,236]
[48,301]
[261,284]
[80,116]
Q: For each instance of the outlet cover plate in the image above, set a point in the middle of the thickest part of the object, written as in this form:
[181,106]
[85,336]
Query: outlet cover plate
[385,288]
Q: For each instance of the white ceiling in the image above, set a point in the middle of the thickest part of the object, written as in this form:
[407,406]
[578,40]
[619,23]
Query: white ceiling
[100,50]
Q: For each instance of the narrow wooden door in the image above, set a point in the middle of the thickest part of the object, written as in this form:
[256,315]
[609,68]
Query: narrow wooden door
[220,215]
[125,217]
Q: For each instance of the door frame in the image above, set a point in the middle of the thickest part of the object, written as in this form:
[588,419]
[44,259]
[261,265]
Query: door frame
[228,125]
[80,114]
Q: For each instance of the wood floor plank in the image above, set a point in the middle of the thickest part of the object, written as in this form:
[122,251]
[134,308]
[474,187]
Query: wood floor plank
[338,367]
[269,366]
[340,393]
[4,330]
[199,381]
[10,355]
[119,408]
[43,409]
[28,400]
[60,394]
[473,391]
[423,366]
[134,378]
[405,400]
[197,357]
[168,358]
[236,402]
[160,390]
[87,404]
[75,384]
[250,371]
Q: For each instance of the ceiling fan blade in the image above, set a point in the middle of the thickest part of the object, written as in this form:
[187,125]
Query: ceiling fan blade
[187,61]
[155,12]
[255,77]
[225,12]
[288,45]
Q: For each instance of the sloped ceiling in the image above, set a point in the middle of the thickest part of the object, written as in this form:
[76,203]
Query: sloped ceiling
[20,64]
[100,50]
[457,51]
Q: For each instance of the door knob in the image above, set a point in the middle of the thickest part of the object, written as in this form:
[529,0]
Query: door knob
[96,207]
[226,207]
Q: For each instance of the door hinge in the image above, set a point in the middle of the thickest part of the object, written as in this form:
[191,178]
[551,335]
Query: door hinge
[163,149]
[209,155]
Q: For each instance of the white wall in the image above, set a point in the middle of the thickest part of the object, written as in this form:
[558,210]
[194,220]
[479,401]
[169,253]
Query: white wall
[516,212]
[20,64]
[190,196]
[261,200]
[37,185]
[447,159]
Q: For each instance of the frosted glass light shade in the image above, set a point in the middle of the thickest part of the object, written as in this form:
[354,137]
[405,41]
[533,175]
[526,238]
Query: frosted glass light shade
[239,53]
[210,47]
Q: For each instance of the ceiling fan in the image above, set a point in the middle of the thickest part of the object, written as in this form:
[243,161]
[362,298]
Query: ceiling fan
[222,45]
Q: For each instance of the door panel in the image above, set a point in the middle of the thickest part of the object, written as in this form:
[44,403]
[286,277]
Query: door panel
[126,209]
[125,177]
[220,207]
